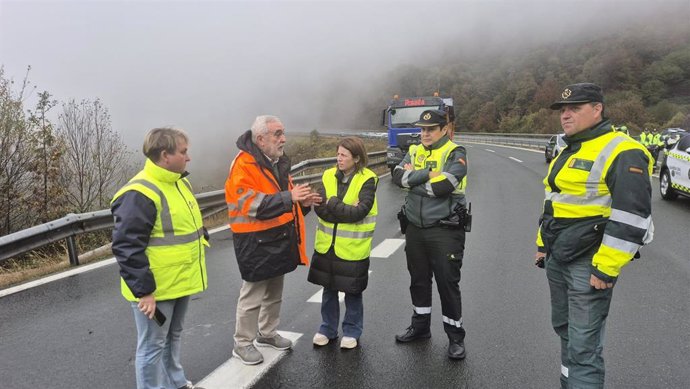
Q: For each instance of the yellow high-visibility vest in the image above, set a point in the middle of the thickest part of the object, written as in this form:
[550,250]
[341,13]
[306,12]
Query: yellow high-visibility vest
[434,162]
[351,241]
[176,250]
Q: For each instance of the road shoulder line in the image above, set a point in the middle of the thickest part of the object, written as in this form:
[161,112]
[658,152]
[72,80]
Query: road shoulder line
[234,374]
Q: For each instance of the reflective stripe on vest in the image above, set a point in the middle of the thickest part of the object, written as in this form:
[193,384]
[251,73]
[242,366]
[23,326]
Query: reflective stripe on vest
[438,155]
[175,250]
[242,215]
[351,241]
[169,238]
[595,199]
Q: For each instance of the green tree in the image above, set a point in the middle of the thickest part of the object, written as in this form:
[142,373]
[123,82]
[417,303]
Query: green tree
[15,156]
[48,192]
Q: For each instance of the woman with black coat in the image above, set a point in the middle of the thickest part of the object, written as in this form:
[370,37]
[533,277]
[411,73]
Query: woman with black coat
[347,219]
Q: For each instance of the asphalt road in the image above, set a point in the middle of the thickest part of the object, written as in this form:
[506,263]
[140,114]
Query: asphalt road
[78,332]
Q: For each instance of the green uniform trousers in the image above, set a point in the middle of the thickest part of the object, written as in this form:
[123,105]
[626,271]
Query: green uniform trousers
[578,315]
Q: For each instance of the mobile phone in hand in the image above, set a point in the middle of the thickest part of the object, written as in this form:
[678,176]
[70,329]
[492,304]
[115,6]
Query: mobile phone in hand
[159,317]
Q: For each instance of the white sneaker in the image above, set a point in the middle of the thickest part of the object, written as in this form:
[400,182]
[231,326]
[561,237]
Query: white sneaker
[320,339]
[348,342]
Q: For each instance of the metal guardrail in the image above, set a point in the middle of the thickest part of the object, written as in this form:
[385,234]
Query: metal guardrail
[533,141]
[72,225]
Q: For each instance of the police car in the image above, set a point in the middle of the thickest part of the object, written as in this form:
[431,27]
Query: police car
[554,147]
[674,175]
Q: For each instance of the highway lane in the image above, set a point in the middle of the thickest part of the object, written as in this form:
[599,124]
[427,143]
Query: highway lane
[78,332]
[506,305]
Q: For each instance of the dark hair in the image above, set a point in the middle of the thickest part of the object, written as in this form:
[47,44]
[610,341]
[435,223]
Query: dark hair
[594,103]
[356,147]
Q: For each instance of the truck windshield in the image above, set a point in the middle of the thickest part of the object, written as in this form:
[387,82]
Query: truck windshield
[405,116]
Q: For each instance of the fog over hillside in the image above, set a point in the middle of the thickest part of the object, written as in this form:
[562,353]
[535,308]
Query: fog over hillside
[211,67]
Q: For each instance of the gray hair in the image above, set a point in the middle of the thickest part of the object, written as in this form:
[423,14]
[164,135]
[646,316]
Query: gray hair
[260,125]
[162,139]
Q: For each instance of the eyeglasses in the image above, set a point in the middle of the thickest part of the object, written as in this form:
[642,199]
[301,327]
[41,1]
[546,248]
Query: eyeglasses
[278,133]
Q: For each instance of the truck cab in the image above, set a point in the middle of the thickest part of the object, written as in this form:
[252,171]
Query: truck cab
[399,117]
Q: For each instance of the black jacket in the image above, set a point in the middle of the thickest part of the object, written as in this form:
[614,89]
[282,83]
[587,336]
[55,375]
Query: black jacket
[327,269]
[273,252]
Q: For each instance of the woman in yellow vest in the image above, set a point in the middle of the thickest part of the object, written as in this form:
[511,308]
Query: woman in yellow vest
[347,218]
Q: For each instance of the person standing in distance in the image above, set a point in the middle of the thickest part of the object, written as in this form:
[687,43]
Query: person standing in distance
[596,216]
[347,220]
[266,213]
[435,175]
[158,241]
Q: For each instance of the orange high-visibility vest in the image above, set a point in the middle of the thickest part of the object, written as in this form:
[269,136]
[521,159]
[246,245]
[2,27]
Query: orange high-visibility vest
[247,185]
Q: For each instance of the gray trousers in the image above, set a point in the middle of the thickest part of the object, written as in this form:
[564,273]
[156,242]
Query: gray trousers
[258,310]
[578,315]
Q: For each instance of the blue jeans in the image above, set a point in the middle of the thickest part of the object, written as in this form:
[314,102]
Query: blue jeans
[158,347]
[353,323]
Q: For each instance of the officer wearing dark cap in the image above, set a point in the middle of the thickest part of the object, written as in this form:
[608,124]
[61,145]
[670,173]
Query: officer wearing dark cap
[435,175]
[596,215]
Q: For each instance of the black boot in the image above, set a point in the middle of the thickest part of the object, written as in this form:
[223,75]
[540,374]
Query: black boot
[456,349]
[411,333]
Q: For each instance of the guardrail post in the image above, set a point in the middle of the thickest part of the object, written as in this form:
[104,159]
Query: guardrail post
[72,251]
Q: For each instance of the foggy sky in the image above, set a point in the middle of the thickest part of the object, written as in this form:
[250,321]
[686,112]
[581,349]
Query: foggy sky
[211,67]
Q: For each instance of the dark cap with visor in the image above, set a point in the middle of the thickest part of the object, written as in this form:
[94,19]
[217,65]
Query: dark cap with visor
[579,93]
[431,117]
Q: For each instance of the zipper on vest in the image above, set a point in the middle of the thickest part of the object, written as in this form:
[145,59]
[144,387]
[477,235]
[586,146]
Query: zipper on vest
[201,269]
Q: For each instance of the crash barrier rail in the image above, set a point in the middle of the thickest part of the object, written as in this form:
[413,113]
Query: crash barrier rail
[72,225]
[533,141]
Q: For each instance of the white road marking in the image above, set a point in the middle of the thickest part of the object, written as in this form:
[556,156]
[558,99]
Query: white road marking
[382,250]
[515,159]
[71,272]
[386,248]
[318,296]
[218,229]
[55,277]
[489,150]
[234,374]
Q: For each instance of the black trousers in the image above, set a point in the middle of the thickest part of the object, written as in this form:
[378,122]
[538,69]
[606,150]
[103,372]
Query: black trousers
[436,252]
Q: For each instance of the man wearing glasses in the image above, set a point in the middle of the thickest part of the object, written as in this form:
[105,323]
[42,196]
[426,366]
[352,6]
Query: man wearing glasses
[435,208]
[266,214]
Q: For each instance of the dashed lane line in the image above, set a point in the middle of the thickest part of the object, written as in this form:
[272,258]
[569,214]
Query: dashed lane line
[386,248]
[383,250]
[318,296]
[489,150]
[515,159]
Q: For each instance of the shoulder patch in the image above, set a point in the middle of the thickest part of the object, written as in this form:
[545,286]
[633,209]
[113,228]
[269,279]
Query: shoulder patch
[636,170]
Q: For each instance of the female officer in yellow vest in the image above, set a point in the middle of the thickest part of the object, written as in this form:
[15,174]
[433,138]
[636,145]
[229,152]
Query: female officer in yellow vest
[347,218]
[159,240]
[435,175]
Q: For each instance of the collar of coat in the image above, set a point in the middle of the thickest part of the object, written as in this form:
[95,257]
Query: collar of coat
[162,174]
[245,143]
[439,143]
[597,130]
